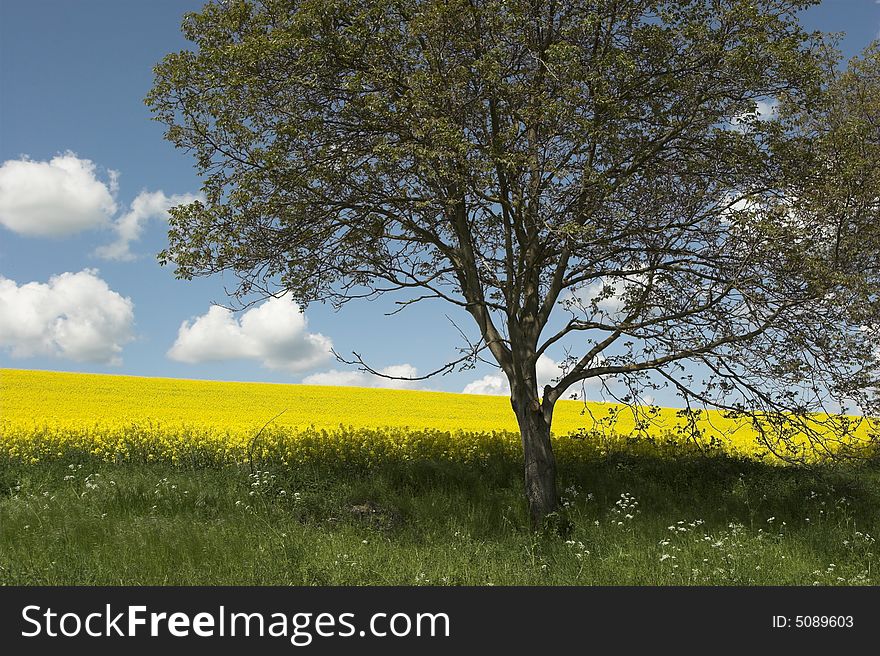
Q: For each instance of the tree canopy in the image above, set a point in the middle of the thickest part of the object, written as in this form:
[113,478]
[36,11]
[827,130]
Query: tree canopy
[703,163]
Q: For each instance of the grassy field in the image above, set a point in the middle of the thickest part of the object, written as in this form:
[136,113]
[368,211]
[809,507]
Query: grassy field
[119,480]
[637,519]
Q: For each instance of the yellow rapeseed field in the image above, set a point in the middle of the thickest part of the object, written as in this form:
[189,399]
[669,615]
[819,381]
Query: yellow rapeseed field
[44,413]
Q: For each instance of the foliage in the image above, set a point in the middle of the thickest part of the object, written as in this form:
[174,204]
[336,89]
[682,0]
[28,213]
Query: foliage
[526,162]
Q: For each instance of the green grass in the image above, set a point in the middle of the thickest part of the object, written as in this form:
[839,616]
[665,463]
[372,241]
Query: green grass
[637,520]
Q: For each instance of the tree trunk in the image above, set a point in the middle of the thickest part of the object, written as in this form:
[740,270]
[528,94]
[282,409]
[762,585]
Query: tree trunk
[540,463]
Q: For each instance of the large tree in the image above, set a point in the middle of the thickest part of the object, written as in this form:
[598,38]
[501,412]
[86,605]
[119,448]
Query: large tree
[525,160]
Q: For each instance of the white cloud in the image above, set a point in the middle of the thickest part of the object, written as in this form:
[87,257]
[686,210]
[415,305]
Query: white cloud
[274,333]
[765,110]
[336,377]
[75,316]
[128,227]
[609,302]
[742,206]
[364,379]
[494,384]
[547,369]
[64,196]
[56,198]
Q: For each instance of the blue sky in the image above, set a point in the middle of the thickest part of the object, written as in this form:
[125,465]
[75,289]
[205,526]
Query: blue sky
[85,176]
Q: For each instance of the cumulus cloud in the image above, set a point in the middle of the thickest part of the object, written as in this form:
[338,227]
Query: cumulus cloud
[493,384]
[273,333]
[609,295]
[765,110]
[364,379]
[74,316]
[56,198]
[65,196]
[737,205]
[148,205]
[547,369]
